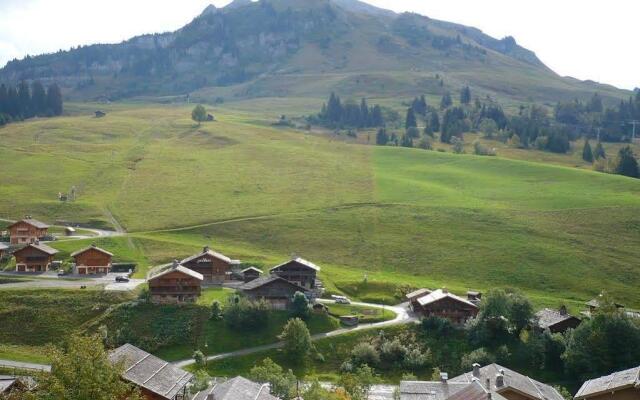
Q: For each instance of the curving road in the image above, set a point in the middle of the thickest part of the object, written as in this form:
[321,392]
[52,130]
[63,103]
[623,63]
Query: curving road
[402,317]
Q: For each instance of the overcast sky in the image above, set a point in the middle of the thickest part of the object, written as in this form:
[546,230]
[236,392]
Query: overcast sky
[587,39]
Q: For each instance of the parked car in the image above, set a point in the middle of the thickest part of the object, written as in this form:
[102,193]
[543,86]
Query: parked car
[122,279]
[62,272]
[341,300]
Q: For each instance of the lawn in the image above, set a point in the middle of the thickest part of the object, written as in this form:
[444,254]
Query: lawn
[211,294]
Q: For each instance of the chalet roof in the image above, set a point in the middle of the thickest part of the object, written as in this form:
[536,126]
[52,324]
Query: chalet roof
[475,391]
[440,294]
[41,247]
[176,268]
[92,247]
[33,222]
[6,383]
[610,383]
[595,303]
[301,261]
[252,269]
[436,390]
[512,381]
[208,252]
[548,317]
[3,246]
[237,388]
[418,292]
[266,280]
[150,372]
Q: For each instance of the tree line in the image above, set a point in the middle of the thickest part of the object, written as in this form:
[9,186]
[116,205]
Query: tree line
[337,114]
[27,101]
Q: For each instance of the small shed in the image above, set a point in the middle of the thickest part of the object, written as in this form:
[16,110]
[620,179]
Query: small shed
[69,231]
[250,274]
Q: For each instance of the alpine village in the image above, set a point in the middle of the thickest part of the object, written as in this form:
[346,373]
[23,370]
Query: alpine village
[315,200]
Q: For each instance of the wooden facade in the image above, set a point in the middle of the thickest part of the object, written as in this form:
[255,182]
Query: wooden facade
[92,260]
[441,303]
[276,291]
[175,284]
[27,231]
[298,271]
[251,274]
[3,251]
[213,266]
[34,258]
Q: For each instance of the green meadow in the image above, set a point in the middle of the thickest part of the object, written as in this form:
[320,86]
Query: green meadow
[373,218]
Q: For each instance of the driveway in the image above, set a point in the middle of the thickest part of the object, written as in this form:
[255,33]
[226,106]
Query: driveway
[402,317]
[49,280]
[24,365]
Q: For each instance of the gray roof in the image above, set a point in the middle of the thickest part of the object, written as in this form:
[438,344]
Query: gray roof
[237,388]
[301,261]
[548,317]
[3,246]
[617,381]
[258,270]
[6,382]
[32,222]
[92,247]
[150,372]
[265,280]
[419,390]
[170,268]
[39,246]
[440,294]
[417,293]
[209,252]
[512,381]
[475,391]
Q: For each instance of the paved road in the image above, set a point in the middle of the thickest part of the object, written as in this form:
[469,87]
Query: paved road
[402,317]
[51,280]
[24,365]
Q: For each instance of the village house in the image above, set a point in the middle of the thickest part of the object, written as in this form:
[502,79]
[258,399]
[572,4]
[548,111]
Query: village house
[594,304]
[442,303]
[490,382]
[250,274]
[622,385]
[92,260]
[156,378]
[27,230]
[238,388]
[14,385]
[299,271]
[35,257]
[174,284]
[213,266]
[556,321]
[415,295]
[276,291]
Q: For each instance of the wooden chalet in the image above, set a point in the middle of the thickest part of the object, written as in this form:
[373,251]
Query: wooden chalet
[27,231]
[35,257]
[237,388]
[213,266]
[415,295]
[92,260]
[3,250]
[276,291]
[622,385]
[556,321]
[441,303]
[250,274]
[157,379]
[492,382]
[175,284]
[594,304]
[298,271]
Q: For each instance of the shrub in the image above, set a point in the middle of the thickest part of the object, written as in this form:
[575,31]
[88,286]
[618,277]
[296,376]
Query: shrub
[458,145]
[426,143]
[242,314]
[480,356]
[365,353]
[481,150]
[216,310]
[417,359]
[200,360]
[300,306]
[437,325]
[393,351]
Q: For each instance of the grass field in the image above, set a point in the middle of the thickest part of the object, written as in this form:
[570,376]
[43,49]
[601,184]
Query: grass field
[260,194]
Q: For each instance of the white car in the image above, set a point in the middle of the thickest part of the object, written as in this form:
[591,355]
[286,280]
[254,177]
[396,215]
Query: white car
[341,300]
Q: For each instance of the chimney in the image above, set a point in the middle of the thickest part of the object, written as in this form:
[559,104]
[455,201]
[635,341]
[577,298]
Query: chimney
[36,242]
[488,384]
[476,370]
[210,396]
[205,249]
[94,245]
[563,310]
[445,290]
[500,379]
[444,377]
[175,264]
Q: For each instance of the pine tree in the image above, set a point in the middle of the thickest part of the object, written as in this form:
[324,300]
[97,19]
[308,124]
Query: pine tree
[365,118]
[54,100]
[38,99]
[423,105]
[599,152]
[24,100]
[446,101]
[627,164]
[12,102]
[381,137]
[3,100]
[406,141]
[434,121]
[377,120]
[587,154]
[465,95]
[411,119]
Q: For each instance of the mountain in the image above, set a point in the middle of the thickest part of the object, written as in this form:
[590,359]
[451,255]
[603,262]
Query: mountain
[304,48]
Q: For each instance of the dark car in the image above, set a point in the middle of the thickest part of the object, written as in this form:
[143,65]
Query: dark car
[122,279]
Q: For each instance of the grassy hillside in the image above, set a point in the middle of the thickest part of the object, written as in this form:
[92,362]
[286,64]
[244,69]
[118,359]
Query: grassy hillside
[260,194]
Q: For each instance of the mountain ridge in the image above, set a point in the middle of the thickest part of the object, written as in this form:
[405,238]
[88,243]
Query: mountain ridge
[250,43]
